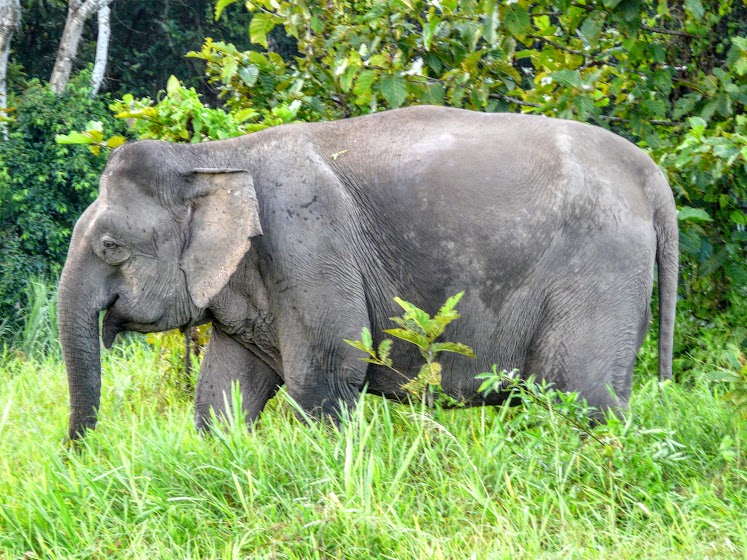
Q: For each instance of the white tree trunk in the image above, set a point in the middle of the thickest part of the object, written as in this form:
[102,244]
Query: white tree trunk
[10,20]
[102,49]
[77,14]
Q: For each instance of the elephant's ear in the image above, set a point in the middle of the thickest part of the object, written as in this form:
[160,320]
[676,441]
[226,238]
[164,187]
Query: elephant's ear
[224,218]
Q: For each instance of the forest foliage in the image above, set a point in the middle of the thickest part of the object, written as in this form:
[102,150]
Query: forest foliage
[669,75]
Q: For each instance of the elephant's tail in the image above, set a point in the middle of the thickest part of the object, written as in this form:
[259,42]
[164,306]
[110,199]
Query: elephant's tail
[667,261]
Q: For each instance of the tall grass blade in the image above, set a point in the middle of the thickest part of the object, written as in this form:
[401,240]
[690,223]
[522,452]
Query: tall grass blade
[39,332]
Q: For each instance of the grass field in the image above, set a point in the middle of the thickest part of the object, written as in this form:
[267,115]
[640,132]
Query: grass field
[667,481]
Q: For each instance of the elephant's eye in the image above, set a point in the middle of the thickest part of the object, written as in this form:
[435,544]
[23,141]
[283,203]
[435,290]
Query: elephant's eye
[112,251]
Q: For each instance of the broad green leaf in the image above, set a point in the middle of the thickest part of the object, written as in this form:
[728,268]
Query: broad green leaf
[470,32]
[406,305]
[658,53]
[697,124]
[695,7]
[422,320]
[115,142]
[406,323]
[591,29]
[222,5]
[385,348]
[739,217]
[469,63]
[249,74]
[486,387]
[96,135]
[517,21]
[73,138]
[245,115]
[379,60]
[450,304]
[662,79]
[317,24]
[230,65]
[417,339]
[567,77]
[631,12]
[456,95]
[394,90]
[173,88]
[656,108]
[456,347]
[257,58]
[144,113]
[360,346]
[429,31]
[688,214]
[490,24]
[346,80]
[366,337]
[492,381]
[262,23]
[433,94]
[543,25]
[364,82]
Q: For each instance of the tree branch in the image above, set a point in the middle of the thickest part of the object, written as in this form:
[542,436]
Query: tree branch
[668,32]
[559,46]
[514,100]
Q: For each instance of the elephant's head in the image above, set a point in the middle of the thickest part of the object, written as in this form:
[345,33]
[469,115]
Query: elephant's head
[167,231]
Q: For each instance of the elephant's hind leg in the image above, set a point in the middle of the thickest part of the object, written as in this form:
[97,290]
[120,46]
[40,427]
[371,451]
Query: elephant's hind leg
[227,361]
[583,356]
[589,340]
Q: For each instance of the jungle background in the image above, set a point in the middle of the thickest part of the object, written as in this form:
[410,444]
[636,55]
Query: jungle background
[668,479]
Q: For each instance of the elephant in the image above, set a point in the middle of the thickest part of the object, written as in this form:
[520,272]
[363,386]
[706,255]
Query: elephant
[291,239]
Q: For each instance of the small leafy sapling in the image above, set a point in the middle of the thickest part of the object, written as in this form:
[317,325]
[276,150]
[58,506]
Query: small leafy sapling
[419,328]
[539,396]
[495,381]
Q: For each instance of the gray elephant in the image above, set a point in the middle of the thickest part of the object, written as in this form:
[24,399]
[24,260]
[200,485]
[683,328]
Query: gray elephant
[294,238]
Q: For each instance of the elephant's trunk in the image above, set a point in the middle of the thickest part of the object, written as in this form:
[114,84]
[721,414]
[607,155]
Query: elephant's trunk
[81,297]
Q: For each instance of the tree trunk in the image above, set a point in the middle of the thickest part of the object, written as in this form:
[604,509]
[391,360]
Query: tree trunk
[102,49]
[77,14]
[10,19]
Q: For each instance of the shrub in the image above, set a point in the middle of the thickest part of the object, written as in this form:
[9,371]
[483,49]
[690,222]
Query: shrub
[44,186]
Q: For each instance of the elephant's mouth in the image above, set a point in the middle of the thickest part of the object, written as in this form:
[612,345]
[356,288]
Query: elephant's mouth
[114,323]
[111,326]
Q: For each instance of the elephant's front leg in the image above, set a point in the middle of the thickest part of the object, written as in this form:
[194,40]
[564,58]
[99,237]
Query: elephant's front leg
[322,373]
[227,361]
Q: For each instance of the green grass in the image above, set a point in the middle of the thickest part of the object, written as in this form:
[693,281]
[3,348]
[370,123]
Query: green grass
[667,481]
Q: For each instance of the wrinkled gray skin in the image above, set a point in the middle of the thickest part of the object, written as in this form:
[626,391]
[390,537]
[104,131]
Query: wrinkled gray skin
[294,238]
